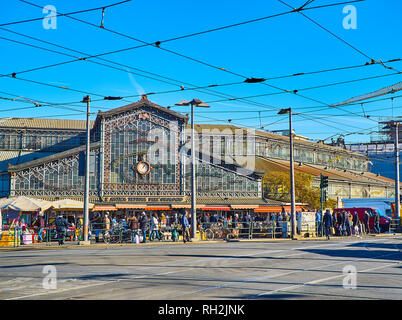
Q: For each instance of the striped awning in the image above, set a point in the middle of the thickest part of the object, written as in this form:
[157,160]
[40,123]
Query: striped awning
[104,208]
[187,206]
[276,209]
[268,209]
[243,206]
[130,206]
[216,208]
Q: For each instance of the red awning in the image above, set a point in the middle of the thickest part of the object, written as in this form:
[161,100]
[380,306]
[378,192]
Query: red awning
[158,208]
[216,208]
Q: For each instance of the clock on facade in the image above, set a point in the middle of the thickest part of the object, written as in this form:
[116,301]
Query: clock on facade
[143,167]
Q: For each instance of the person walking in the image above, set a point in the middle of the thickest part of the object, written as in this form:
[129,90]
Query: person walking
[143,221]
[154,228]
[318,222]
[186,228]
[355,219]
[366,219]
[61,228]
[328,223]
[376,225]
[107,222]
[347,224]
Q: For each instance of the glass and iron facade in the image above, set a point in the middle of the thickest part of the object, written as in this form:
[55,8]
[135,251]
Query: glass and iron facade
[139,154]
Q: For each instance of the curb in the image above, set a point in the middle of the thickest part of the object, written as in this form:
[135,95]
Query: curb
[117,245]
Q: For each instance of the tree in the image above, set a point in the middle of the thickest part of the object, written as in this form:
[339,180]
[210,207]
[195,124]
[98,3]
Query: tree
[276,186]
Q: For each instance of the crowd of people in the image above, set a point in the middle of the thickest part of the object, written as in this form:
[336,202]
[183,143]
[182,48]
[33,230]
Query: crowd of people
[345,223]
[149,226]
[153,225]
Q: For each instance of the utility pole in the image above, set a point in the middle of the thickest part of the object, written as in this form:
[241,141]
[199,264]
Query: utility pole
[87,100]
[397,191]
[292,182]
[192,103]
[292,178]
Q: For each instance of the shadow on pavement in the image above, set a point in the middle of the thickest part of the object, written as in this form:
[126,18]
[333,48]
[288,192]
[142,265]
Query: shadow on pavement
[365,254]
[390,246]
[33,265]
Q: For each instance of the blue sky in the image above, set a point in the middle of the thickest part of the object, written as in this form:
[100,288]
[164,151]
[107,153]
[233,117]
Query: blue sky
[279,46]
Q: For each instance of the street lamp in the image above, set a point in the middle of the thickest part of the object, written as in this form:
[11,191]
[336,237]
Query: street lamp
[192,103]
[292,183]
[87,100]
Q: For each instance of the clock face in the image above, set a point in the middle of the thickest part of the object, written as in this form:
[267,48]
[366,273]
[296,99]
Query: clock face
[143,167]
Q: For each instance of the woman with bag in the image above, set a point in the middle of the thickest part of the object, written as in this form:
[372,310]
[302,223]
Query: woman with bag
[154,228]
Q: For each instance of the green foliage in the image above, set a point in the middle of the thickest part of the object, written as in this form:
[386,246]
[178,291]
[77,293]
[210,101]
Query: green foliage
[276,186]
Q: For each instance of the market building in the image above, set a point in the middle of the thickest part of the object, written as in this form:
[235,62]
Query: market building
[140,159]
[348,172]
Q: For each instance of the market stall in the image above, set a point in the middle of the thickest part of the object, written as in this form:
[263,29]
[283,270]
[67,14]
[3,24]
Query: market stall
[72,210]
[21,218]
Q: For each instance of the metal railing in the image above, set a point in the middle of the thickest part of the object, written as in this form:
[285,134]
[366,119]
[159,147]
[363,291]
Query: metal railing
[244,230]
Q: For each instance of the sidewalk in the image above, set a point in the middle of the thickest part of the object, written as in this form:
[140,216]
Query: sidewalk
[43,246]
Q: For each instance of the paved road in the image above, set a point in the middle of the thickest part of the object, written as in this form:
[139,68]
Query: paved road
[235,270]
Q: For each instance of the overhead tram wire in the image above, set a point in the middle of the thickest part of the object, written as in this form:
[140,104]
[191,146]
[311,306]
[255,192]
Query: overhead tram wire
[232,99]
[199,87]
[182,89]
[61,14]
[215,93]
[157,45]
[181,37]
[173,90]
[225,70]
[336,36]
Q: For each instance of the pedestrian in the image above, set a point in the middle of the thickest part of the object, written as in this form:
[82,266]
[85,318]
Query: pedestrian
[355,219]
[144,226]
[61,228]
[235,225]
[107,221]
[186,228]
[133,222]
[339,223]
[376,224]
[356,229]
[347,224]
[328,223]
[366,220]
[318,222]
[154,228]
[213,218]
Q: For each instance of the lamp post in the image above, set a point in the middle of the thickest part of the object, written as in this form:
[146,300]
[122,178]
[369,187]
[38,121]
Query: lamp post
[397,190]
[192,103]
[87,100]
[292,183]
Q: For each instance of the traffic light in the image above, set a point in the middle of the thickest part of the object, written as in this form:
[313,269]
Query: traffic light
[324,196]
[324,182]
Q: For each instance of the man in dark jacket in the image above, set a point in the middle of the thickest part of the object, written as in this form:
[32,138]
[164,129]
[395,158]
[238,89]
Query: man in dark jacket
[327,221]
[61,228]
[366,219]
[143,221]
[376,225]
